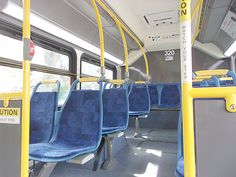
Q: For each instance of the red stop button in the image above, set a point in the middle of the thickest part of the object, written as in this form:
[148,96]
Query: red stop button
[31,49]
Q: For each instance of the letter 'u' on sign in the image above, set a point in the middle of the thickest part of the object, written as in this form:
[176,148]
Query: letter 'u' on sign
[10,115]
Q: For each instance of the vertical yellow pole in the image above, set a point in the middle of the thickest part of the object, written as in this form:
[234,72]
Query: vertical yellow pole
[26,94]
[186,82]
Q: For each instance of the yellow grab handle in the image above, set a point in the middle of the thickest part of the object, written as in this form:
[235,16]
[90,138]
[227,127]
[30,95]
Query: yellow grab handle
[89,79]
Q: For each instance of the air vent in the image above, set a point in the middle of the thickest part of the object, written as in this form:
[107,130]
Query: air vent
[164,37]
[168,17]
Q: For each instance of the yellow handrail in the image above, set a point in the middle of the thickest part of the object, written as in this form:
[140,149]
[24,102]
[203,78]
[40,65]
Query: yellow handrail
[48,81]
[140,82]
[10,96]
[197,30]
[117,82]
[126,30]
[89,79]
[217,72]
[26,95]
[101,36]
[124,44]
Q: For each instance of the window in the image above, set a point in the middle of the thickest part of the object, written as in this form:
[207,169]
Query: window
[92,69]
[48,64]
[42,56]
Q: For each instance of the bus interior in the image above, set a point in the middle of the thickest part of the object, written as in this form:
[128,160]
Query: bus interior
[108,88]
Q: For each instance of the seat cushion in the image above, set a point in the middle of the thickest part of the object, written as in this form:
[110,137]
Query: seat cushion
[57,151]
[137,113]
[109,130]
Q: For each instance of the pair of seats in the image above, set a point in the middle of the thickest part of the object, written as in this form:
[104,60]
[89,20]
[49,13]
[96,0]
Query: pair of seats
[78,127]
[164,95]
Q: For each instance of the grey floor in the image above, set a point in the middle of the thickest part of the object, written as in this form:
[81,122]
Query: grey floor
[152,156]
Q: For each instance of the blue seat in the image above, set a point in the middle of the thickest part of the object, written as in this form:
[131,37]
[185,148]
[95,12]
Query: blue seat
[78,128]
[139,100]
[153,95]
[115,110]
[169,95]
[42,114]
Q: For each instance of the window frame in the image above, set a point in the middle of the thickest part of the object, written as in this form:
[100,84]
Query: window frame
[95,61]
[15,32]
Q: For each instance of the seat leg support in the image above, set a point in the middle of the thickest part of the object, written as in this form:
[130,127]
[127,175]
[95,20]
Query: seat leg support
[108,161]
[46,170]
[137,134]
[98,154]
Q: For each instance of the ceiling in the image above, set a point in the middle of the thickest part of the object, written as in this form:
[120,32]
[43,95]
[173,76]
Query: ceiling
[154,22]
[139,15]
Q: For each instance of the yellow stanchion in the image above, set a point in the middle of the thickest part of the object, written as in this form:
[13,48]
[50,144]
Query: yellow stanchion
[26,93]
[186,82]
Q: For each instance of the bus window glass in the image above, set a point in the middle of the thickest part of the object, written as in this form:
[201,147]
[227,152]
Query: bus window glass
[64,80]
[91,70]
[12,81]
[12,49]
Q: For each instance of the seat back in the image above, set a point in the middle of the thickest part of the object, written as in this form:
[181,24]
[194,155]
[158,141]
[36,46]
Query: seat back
[169,95]
[42,114]
[139,99]
[153,95]
[81,118]
[115,108]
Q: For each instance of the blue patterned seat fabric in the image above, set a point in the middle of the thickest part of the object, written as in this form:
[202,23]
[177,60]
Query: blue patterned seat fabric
[42,114]
[115,110]
[153,95]
[139,100]
[170,95]
[79,129]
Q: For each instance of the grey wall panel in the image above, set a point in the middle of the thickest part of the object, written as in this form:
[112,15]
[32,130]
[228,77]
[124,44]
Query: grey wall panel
[169,71]
[215,139]
[160,70]
[158,120]
[10,146]
[223,40]
[201,61]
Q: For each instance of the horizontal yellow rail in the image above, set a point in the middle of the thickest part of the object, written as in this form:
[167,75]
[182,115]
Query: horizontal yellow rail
[11,96]
[49,82]
[140,82]
[218,72]
[116,82]
[89,79]
[221,79]
[228,93]
[212,92]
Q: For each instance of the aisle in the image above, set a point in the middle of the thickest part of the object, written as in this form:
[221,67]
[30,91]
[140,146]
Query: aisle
[154,156]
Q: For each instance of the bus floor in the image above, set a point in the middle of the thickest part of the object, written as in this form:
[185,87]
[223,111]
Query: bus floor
[154,155]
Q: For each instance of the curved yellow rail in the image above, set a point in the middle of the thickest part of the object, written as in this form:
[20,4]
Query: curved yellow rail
[124,44]
[101,34]
[126,30]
